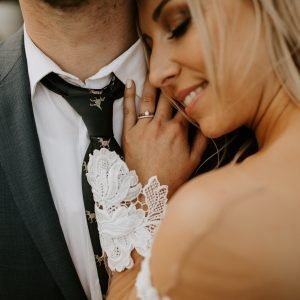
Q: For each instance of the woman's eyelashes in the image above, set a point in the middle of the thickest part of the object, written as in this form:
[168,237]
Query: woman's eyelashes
[180,30]
[176,33]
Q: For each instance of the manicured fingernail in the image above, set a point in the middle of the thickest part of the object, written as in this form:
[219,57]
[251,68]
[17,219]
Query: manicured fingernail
[128,83]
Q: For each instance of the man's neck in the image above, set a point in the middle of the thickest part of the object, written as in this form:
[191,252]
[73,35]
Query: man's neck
[81,41]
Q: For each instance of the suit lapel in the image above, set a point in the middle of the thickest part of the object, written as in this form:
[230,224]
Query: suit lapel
[21,159]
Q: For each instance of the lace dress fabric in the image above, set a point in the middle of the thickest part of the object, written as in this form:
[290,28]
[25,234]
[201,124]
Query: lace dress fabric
[144,288]
[128,215]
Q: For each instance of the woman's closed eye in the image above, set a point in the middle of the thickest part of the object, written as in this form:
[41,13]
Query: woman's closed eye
[180,30]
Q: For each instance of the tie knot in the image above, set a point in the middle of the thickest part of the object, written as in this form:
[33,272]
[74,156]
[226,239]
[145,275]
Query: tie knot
[94,105]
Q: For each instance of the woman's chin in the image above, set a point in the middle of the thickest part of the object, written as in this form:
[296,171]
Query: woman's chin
[211,131]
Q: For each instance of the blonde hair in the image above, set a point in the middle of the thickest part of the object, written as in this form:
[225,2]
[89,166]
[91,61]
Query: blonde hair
[277,20]
[282,25]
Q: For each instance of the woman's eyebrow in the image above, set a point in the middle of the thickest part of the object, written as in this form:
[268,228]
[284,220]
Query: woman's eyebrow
[158,9]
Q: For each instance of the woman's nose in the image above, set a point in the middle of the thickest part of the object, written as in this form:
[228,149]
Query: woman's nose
[162,69]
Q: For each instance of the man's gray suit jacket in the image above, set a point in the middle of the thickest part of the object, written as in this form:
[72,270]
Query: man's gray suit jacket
[34,260]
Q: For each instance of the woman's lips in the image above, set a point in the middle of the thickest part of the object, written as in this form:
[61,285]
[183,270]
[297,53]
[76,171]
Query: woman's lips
[189,95]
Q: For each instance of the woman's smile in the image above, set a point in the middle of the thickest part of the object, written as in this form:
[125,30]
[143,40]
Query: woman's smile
[191,94]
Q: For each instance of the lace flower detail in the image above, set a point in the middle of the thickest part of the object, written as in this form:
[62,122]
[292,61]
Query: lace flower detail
[127,214]
[110,179]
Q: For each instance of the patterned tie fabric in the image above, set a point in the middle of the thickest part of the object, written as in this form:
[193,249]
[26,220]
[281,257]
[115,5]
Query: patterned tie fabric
[96,110]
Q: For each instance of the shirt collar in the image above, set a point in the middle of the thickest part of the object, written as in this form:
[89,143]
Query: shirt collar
[129,65]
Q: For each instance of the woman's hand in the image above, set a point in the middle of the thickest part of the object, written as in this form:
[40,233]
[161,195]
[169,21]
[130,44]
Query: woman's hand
[159,145]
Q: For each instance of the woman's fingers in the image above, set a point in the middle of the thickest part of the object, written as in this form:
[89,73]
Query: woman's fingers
[148,102]
[164,108]
[181,118]
[129,106]
[143,138]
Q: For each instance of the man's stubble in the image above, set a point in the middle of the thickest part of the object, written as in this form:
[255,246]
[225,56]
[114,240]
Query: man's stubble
[74,4]
[66,4]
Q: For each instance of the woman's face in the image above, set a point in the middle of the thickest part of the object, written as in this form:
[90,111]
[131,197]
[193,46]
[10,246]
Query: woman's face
[178,65]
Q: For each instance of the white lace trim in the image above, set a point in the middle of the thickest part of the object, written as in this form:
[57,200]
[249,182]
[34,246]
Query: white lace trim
[127,214]
[143,284]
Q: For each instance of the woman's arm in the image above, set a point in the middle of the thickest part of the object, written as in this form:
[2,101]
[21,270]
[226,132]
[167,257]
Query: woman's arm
[122,284]
[154,146]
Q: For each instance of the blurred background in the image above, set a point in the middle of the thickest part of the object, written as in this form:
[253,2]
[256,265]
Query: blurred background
[10,18]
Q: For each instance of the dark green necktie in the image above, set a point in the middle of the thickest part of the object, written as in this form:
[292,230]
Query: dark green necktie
[96,109]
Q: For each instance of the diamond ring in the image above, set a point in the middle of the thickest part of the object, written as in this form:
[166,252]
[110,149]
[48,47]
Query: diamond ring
[146,114]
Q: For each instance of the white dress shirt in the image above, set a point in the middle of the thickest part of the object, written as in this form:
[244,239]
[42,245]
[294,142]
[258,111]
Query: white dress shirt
[64,140]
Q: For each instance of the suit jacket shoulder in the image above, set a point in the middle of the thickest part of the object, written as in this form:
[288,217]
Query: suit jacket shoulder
[11,50]
[34,259]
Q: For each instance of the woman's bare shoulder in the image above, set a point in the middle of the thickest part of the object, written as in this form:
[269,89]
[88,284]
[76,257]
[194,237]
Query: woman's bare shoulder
[218,225]
[198,210]
[207,196]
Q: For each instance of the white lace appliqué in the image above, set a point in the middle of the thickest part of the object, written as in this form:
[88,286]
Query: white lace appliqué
[143,284]
[127,214]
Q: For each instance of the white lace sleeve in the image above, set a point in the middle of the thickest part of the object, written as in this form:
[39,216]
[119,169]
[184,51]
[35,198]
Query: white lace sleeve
[143,284]
[127,214]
